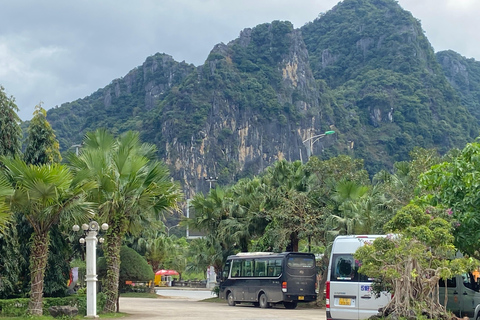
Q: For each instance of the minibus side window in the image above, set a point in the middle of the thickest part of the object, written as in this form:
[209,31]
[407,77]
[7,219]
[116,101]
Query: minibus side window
[247,268]
[469,281]
[260,268]
[226,270]
[274,268]
[236,268]
[451,283]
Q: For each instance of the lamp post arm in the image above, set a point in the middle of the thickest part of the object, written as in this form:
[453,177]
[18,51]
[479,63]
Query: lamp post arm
[316,136]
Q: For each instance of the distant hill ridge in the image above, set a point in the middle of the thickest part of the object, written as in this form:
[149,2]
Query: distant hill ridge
[364,69]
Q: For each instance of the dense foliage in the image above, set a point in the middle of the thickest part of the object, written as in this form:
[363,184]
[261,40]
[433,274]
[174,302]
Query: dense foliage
[454,185]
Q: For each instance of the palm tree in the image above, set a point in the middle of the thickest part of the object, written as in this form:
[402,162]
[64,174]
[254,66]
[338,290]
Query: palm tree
[45,195]
[286,196]
[131,188]
[347,218]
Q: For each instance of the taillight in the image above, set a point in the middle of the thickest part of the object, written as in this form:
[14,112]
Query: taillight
[284,286]
[327,295]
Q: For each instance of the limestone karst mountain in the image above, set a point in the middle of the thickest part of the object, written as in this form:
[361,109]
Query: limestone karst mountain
[364,69]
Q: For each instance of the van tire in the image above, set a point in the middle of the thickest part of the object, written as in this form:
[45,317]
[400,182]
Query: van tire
[263,301]
[290,305]
[230,300]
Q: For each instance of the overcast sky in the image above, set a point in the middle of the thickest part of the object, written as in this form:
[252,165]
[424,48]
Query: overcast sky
[57,51]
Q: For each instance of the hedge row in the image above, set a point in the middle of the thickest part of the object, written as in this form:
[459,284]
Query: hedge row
[19,307]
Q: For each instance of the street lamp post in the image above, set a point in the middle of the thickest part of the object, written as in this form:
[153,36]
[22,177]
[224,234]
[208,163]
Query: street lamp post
[90,231]
[314,139]
[210,180]
[76,146]
[168,229]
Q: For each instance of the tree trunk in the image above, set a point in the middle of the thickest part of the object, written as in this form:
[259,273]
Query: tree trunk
[321,284]
[38,262]
[294,241]
[111,249]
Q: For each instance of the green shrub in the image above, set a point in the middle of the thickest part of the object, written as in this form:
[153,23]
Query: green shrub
[14,307]
[19,307]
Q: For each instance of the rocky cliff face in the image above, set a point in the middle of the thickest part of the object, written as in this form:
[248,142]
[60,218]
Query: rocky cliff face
[236,140]
[464,75]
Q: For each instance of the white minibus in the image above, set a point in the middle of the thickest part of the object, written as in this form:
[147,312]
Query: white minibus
[348,293]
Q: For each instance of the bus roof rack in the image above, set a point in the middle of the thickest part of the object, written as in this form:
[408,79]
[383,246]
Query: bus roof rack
[240,254]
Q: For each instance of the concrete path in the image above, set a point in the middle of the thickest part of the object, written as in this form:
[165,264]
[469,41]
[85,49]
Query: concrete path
[185,307]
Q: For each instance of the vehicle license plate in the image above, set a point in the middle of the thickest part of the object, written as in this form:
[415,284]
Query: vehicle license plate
[301,298]
[345,301]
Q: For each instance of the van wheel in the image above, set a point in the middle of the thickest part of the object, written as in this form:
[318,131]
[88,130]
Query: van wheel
[289,305]
[263,302]
[230,300]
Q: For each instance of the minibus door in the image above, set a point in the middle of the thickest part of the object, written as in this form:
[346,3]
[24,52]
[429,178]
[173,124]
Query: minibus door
[454,295]
[470,296]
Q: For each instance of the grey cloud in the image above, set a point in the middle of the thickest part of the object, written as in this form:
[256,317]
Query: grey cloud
[59,51]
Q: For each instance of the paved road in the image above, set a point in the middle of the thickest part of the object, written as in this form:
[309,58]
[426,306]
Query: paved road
[198,294]
[184,305]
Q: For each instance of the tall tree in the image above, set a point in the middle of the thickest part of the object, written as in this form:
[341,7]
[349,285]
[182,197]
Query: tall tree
[346,218]
[211,212]
[131,187]
[286,201]
[10,131]
[42,145]
[45,195]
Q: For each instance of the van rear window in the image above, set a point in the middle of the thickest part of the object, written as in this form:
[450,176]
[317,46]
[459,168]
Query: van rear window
[343,268]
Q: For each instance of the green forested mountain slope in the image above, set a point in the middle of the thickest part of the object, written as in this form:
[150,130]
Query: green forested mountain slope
[123,104]
[364,69]
[386,79]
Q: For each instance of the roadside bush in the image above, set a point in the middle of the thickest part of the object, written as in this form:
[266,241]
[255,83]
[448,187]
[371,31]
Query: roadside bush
[19,307]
